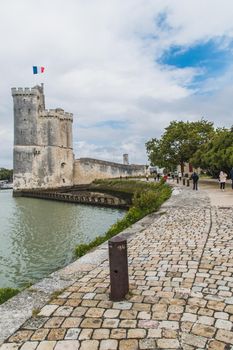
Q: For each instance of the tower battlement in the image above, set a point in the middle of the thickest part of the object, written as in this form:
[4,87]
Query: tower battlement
[57,113]
[36,90]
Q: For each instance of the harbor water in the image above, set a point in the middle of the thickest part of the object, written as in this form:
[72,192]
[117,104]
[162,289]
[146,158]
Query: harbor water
[39,236]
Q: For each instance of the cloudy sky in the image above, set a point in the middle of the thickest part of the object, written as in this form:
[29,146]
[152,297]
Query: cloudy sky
[124,68]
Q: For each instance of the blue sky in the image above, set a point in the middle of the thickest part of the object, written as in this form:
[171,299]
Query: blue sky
[210,58]
[125,69]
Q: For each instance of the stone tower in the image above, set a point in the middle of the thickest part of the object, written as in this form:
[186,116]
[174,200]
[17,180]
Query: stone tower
[125,159]
[43,153]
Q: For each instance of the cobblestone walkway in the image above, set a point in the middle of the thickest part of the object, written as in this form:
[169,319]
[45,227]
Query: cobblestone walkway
[181,290]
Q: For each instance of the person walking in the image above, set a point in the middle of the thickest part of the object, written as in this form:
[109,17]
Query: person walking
[222,179]
[195,179]
[180,176]
[231,177]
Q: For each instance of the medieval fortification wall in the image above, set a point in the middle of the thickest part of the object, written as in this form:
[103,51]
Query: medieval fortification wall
[43,147]
[87,170]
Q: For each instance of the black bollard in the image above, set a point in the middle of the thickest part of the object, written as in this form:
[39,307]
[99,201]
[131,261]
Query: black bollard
[118,263]
[184,182]
[187,182]
[177,180]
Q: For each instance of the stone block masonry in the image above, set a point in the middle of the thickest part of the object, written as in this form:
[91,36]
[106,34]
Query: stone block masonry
[43,154]
[87,170]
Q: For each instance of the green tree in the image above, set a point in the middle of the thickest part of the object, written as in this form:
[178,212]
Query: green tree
[179,143]
[6,174]
[217,153]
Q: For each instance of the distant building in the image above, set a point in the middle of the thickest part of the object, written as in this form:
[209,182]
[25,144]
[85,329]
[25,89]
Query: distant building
[155,169]
[126,159]
[188,169]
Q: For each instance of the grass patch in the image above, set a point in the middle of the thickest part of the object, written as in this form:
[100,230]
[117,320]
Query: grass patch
[205,176]
[7,293]
[127,186]
[146,198]
[35,312]
[56,293]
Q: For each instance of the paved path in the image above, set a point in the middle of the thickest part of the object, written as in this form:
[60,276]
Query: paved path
[181,288]
[218,197]
[211,187]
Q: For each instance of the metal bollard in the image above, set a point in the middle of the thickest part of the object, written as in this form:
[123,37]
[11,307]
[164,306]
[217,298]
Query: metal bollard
[187,182]
[118,263]
[177,180]
[184,182]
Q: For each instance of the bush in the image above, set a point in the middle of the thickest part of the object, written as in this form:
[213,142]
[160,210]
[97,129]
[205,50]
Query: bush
[147,201]
[147,198]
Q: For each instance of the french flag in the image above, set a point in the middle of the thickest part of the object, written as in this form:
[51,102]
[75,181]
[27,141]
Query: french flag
[37,70]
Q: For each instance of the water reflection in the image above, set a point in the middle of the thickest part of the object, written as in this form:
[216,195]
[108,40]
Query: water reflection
[39,236]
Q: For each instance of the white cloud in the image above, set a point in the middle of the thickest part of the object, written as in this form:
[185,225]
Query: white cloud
[100,58]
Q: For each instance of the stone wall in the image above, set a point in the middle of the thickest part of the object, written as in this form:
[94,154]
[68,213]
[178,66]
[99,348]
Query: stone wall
[87,170]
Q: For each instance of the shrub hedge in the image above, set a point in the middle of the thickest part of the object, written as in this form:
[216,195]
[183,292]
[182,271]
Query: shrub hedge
[147,198]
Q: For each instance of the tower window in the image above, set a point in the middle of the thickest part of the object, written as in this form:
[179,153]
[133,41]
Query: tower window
[35,152]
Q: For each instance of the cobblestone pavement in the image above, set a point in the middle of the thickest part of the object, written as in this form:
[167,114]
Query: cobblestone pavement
[181,289]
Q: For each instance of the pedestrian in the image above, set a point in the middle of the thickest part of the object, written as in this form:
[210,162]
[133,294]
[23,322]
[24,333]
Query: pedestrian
[195,179]
[231,177]
[180,176]
[158,176]
[222,180]
[147,177]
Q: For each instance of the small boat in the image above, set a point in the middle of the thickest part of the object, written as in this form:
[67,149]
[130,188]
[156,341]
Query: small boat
[6,186]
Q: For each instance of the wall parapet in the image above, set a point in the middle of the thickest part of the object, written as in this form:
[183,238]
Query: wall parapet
[24,91]
[56,113]
[108,163]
